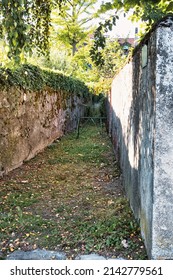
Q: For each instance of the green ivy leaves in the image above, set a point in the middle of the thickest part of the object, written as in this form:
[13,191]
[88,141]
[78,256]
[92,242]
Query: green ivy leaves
[24,25]
[100,40]
[31,77]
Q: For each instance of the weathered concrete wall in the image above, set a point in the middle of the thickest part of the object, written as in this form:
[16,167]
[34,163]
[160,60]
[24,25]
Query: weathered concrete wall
[162,237]
[140,124]
[29,121]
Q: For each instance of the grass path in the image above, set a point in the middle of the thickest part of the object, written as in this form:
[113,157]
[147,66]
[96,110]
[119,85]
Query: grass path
[69,198]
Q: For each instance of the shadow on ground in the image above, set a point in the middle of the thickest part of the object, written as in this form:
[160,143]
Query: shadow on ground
[69,198]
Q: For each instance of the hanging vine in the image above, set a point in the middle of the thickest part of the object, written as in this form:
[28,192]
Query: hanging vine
[24,24]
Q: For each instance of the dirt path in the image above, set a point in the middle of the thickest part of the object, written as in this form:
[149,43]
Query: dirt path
[69,198]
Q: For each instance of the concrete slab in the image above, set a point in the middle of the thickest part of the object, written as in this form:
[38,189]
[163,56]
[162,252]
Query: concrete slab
[36,255]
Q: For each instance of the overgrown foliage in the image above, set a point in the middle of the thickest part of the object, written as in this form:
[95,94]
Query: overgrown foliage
[26,24]
[97,78]
[149,11]
[31,77]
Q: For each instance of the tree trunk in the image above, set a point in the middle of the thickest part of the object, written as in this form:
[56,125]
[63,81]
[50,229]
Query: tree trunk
[74,48]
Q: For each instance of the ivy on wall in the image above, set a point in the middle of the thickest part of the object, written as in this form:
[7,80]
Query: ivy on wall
[33,78]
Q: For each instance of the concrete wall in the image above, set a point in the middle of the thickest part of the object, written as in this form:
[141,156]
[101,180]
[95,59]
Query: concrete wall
[141,127]
[29,121]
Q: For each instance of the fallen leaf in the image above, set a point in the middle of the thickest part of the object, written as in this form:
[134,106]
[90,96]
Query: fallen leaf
[124,243]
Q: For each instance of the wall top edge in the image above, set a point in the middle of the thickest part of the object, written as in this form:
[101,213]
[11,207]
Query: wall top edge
[166,21]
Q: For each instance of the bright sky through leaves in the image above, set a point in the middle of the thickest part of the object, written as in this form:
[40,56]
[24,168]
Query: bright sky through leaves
[124,26]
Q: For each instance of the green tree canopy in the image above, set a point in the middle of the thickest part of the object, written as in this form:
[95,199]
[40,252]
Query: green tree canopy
[25,24]
[70,25]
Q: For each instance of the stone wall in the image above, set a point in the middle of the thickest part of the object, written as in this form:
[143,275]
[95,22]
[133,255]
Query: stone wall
[141,128]
[29,121]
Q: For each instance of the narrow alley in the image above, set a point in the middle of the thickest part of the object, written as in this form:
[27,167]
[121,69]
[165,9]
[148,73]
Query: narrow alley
[69,198]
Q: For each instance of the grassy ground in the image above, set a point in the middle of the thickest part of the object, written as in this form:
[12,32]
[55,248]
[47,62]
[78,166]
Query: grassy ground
[69,198]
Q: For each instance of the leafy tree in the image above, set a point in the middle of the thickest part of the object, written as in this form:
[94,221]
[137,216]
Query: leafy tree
[71,22]
[25,24]
[114,58]
[97,77]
